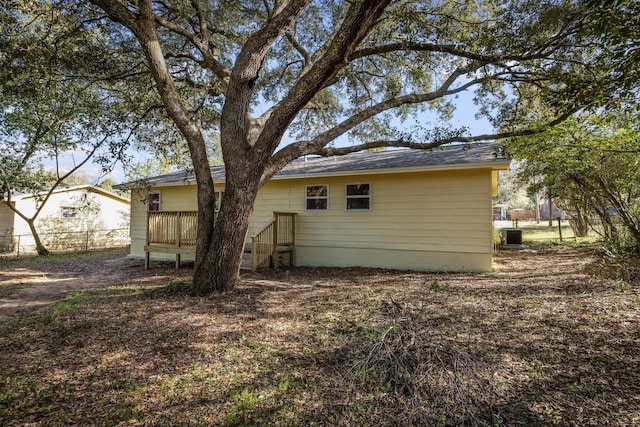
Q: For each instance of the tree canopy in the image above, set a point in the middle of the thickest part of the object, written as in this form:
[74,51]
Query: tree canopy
[591,165]
[614,25]
[283,78]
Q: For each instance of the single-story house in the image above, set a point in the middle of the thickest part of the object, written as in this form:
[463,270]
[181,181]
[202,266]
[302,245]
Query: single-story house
[69,211]
[396,209]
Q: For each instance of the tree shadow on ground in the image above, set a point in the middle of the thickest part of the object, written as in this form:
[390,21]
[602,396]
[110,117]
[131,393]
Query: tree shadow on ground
[330,347]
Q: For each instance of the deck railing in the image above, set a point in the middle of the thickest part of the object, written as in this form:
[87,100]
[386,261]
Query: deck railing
[167,231]
[262,245]
[280,231]
[172,228]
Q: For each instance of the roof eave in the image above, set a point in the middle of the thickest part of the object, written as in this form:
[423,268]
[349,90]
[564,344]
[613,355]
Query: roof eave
[491,165]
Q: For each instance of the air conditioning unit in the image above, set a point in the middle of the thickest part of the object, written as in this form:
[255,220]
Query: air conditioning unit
[513,236]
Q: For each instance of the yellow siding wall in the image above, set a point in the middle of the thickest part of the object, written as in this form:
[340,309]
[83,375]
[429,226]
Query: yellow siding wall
[419,221]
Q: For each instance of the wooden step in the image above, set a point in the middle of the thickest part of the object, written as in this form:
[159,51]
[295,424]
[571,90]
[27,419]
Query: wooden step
[282,256]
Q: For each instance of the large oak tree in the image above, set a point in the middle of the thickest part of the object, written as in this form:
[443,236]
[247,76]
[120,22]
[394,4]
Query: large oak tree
[279,79]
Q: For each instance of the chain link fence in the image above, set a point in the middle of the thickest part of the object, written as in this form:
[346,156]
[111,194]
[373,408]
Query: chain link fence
[68,241]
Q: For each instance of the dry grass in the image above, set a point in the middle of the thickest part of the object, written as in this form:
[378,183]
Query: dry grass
[539,341]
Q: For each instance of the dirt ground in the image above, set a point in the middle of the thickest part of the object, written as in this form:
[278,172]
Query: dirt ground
[41,284]
[542,340]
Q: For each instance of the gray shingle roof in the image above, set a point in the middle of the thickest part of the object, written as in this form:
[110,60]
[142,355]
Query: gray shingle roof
[451,157]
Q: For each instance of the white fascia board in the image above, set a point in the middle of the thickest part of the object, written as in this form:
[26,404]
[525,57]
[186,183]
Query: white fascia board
[489,165]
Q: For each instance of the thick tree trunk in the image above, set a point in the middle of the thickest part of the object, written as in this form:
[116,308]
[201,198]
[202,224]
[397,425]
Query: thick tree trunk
[220,264]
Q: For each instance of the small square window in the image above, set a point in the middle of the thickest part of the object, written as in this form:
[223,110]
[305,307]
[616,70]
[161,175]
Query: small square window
[358,197]
[153,202]
[317,198]
[69,212]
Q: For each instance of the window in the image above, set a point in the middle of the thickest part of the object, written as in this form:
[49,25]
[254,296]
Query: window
[153,202]
[219,196]
[358,197]
[317,198]
[69,212]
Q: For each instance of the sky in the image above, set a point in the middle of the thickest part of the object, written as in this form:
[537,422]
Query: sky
[464,115]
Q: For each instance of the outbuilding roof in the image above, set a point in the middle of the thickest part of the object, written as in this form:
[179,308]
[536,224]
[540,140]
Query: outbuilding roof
[76,188]
[476,155]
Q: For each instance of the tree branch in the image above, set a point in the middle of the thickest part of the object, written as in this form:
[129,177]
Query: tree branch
[209,60]
[359,20]
[58,181]
[301,148]
[324,138]
[306,57]
[417,47]
[541,53]
[204,30]
[117,12]
[235,118]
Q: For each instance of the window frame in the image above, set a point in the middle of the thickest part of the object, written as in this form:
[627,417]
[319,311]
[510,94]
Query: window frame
[150,202]
[73,209]
[348,197]
[307,198]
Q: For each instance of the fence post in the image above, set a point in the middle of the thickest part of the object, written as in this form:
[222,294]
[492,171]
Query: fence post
[18,255]
[559,229]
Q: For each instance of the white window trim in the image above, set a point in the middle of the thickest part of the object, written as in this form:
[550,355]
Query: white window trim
[316,198]
[75,212]
[159,201]
[346,197]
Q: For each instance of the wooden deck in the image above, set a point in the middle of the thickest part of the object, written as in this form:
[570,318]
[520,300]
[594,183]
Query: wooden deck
[171,232]
[174,232]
